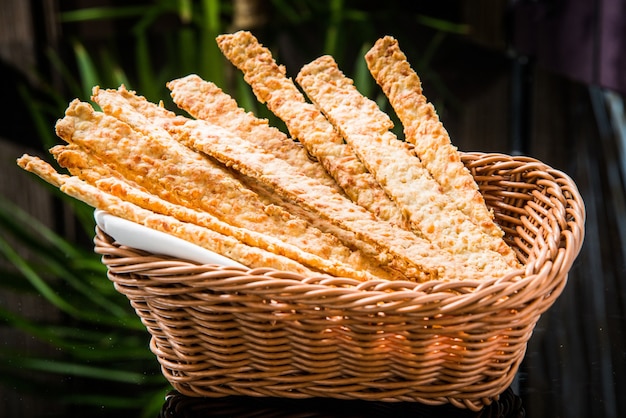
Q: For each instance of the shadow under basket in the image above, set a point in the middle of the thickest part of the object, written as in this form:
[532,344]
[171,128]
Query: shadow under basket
[219,331]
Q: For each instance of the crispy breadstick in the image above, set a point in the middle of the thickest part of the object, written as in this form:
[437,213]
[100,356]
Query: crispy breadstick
[203,237]
[86,168]
[151,120]
[204,100]
[148,117]
[422,127]
[177,174]
[305,122]
[363,253]
[366,128]
[132,108]
[421,258]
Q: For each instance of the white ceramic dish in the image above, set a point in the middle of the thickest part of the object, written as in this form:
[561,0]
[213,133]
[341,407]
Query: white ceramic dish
[143,238]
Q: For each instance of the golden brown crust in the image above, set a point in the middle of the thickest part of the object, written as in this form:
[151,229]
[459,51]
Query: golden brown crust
[203,237]
[304,191]
[204,100]
[42,169]
[366,128]
[420,258]
[422,127]
[305,122]
[177,174]
[272,219]
[106,180]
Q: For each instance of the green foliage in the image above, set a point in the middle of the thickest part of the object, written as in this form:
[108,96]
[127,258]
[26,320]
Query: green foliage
[100,341]
[157,54]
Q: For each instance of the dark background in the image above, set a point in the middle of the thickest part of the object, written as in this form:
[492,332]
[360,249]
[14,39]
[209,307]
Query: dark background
[540,78]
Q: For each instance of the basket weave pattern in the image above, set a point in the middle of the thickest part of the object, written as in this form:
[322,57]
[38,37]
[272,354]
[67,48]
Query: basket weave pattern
[220,331]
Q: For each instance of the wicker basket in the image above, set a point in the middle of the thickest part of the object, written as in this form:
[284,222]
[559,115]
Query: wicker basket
[220,331]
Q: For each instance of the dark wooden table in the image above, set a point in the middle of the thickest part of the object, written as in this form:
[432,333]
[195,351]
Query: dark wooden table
[179,406]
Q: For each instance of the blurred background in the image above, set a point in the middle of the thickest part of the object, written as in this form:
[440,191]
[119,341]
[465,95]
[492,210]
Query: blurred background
[544,78]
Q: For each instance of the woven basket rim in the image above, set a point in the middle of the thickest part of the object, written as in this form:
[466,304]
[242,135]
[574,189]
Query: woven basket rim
[498,161]
[457,294]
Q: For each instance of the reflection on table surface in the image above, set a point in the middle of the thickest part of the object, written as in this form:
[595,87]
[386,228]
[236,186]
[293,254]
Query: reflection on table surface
[180,406]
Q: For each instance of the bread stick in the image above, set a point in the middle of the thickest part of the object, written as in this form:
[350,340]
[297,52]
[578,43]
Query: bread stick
[179,175]
[367,129]
[305,122]
[422,260]
[422,127]
[203,237]
[204,100]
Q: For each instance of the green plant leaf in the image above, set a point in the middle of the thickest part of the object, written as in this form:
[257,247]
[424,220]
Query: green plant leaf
[102,13]
[48,365]
[187,47]
[146,75]
[154,403]
[85,344]
[185,11]
[114,72]
[35,279]
[211,59]
[88,73]
[363,80]
[52,256]
[39,117]
[332,32]
[442,25]
[25,226]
